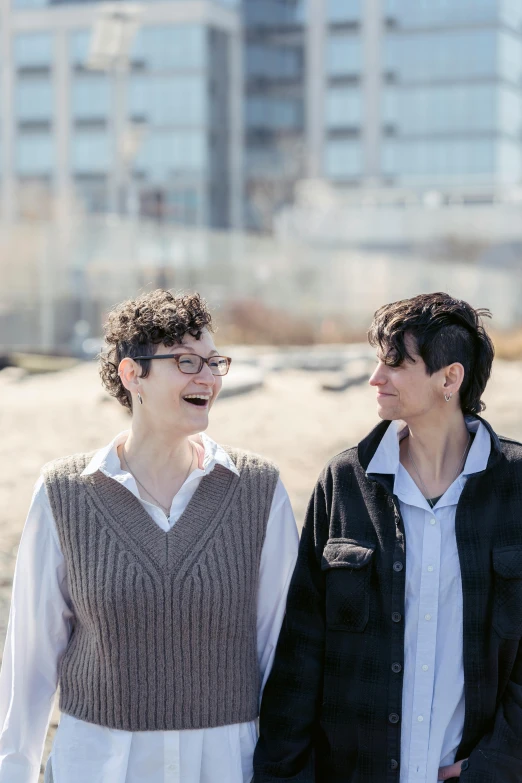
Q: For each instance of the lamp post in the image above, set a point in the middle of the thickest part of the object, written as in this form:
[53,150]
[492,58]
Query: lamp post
[113,35]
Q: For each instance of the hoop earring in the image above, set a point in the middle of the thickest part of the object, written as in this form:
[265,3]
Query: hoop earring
[448,397]
[140,398]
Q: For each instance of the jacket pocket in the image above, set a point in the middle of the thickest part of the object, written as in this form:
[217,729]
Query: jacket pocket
[347,564]
[507,608]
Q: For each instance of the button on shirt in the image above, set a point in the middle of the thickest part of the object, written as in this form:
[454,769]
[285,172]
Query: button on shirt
[39,629]
[432,718]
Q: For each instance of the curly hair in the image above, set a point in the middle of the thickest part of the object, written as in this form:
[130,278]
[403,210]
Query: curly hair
[444,330]
[136,327]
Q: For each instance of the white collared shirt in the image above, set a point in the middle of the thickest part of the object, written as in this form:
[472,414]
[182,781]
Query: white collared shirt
[39,628]
[433,686]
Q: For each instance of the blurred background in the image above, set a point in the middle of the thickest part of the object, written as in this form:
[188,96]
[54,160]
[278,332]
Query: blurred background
[311,158]
[299,162]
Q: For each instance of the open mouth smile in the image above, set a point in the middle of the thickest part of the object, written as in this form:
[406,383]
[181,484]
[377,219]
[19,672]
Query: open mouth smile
[199,400]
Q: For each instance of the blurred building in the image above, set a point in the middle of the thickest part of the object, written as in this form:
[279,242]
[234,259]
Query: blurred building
[394,94]
[451,93]
[179,143]
[229,104]
[275,101]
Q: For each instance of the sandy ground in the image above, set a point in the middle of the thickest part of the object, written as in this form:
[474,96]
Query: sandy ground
[290,420]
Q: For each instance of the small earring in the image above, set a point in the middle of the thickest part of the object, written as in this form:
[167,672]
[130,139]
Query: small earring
[140,398]
[448,397]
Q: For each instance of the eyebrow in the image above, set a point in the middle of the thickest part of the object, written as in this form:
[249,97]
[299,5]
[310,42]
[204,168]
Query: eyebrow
[187,349]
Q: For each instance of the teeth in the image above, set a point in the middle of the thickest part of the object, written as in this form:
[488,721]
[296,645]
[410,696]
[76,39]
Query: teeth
[197,397]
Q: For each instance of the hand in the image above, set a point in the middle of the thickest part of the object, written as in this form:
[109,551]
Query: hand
[452,771]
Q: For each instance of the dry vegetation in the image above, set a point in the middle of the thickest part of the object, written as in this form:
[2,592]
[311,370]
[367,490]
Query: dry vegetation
[251,322]
[508,345]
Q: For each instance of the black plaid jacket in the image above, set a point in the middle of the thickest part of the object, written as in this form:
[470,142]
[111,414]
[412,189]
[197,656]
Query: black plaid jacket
[331,711]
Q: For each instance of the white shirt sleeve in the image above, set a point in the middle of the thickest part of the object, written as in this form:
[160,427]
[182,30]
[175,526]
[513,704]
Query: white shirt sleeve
[278,559]
[40,624]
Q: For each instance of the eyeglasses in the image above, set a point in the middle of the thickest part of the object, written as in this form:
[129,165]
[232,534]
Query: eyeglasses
[192,363]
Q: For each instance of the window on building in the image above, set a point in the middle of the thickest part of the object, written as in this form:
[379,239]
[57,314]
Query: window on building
[274,113]
[265,160]
[79,45]
[34,154]
[431,109]
[390,106]
[274,13]
[343,55]
[179,47]
[509,162]
[469,109]
[510,57]
[91,152]
[417,13]
[447,54]
[274,62]
[33,50]
[342,11]
[455,160]
[29,3]
[343,159]
[510,111]
[34,99]
[164,153]
[343,107]
[90,96]
[169,100]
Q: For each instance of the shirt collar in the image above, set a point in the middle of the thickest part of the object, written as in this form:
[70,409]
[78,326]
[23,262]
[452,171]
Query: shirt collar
[386,461]
[107,461]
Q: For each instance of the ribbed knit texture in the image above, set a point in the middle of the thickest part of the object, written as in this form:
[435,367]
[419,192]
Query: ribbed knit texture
[165,623]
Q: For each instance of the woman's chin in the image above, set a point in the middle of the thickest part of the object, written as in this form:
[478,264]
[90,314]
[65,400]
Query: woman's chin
[387,412]
[198,420]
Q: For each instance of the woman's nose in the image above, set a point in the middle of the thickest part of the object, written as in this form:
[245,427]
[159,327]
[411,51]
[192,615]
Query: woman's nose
[205,375]
[376,378]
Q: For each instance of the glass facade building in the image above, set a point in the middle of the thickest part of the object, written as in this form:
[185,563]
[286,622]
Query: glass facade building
[395,93]
[343,100]
[274,106]
[179,127]
[452,100]
[229,103]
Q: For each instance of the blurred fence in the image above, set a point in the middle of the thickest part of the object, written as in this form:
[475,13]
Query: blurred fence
[58,281]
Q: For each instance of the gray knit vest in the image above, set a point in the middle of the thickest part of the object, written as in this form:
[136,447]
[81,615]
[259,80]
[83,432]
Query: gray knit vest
[165,623]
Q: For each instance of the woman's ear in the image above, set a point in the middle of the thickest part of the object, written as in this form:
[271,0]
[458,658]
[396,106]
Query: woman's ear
[453,378]
[130,374]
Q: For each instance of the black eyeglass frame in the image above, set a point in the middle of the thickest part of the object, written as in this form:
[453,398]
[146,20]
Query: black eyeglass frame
[202,361]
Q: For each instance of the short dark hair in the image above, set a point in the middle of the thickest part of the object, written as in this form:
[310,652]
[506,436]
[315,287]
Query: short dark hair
[136,327]
[445,330]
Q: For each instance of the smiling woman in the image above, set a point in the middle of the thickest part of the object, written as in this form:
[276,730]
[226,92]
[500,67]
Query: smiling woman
[163,561]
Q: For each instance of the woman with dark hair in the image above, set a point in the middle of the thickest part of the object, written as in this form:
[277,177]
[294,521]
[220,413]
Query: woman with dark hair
[151,578]
[400,657]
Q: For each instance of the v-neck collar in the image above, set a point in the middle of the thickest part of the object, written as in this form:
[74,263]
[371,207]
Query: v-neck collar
[135,528]
[107,461]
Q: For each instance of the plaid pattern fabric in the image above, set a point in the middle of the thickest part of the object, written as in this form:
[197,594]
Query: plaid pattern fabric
[331,711]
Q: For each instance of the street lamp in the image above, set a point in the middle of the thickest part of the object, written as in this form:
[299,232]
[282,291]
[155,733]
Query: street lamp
[113,35]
